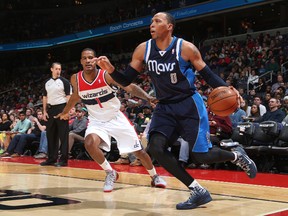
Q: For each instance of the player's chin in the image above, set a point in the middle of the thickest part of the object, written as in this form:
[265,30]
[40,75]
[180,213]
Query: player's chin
[153,35]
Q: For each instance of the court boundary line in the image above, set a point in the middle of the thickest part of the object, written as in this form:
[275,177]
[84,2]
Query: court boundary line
[175,189]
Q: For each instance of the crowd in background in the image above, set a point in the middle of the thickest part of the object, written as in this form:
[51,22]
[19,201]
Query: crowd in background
[239,63]
[254,66]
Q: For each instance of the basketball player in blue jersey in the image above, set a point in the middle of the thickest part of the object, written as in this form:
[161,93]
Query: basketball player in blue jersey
[94,88]
[181,110]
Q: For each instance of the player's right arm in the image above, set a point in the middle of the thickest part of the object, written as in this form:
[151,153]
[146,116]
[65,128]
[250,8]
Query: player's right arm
[131,72]
[72,101]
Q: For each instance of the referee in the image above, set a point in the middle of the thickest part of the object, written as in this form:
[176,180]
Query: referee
[57,92]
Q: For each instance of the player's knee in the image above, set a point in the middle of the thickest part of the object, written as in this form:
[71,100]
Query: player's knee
[157,144]
[90,142]
[140,154]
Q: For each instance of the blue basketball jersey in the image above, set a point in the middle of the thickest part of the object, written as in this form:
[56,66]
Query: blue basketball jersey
[172,77]
[181,111]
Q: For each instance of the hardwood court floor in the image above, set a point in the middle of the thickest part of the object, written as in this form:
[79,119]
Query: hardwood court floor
[29,189]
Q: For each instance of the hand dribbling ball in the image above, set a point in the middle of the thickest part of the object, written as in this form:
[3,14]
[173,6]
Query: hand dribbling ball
[223,101]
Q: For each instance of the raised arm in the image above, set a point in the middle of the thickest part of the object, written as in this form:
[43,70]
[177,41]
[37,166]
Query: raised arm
[131,72]
[191,53]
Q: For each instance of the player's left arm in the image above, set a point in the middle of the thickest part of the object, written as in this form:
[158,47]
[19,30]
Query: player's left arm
[191,53]
[133,89]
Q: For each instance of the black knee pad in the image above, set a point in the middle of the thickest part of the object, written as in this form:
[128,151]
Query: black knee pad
[157,142]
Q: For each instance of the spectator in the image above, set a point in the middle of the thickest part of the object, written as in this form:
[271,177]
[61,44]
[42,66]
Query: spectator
[77,128]
[237,117]
[43,147]
[257,101]
[4,126]
[274,114]
[220,127]
[19,142]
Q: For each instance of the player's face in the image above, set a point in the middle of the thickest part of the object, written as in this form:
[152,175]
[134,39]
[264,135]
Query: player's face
[159,26]
[86,60]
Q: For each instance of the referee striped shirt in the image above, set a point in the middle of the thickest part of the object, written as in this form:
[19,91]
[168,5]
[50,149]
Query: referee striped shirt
[56,90]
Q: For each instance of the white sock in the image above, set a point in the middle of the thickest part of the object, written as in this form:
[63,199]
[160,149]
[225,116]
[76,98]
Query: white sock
[194,184]
[152,172]
[106,166]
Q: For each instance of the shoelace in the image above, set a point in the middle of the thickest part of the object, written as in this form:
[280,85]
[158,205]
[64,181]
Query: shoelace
[110,178]
[156,179]
[196,191]
[242,164]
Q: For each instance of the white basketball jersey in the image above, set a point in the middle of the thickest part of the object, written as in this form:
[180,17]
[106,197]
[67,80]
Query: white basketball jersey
[98,97]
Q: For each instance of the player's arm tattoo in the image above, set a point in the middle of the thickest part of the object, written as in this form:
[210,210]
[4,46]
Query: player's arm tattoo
[138,92]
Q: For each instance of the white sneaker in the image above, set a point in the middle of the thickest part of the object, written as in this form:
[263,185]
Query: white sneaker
[110,179]
[157,181]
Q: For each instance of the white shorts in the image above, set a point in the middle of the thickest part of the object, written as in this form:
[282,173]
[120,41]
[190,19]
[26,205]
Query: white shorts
[120,129]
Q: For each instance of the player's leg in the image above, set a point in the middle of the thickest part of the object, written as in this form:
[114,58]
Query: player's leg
[145,159]
[93,138]
[128,142]
[158,149]
[184,118]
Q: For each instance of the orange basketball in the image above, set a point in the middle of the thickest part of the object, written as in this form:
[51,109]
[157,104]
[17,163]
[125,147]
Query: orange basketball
[223,101]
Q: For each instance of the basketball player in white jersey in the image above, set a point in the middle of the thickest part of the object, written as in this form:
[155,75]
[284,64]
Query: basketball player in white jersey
[94,87]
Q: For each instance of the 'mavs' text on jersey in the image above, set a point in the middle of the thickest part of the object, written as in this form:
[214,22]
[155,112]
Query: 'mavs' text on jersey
[156,67]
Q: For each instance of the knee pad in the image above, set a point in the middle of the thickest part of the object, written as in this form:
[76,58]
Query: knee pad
[157,142]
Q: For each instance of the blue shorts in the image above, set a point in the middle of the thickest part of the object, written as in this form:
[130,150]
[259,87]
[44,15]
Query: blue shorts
[187,118]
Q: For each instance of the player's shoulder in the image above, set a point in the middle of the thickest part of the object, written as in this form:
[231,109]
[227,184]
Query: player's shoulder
[141,46]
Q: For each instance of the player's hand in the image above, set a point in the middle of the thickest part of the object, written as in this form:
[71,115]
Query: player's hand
[62,116]
[153,101]
[104,63]
[240,99]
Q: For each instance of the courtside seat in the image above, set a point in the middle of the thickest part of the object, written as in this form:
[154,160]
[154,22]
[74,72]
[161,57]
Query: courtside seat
[243,133]
[266,133]
[283,137]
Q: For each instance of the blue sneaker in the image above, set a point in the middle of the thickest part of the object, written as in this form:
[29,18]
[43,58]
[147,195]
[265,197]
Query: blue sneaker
[244,162]
[198,196]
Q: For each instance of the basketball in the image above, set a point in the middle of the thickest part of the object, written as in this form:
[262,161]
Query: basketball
[223,101]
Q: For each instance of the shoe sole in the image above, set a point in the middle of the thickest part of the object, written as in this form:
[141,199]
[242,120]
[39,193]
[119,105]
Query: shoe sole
[158,185]
[108,191]
[195,205]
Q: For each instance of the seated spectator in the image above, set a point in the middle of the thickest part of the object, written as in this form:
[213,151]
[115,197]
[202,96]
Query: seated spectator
[254,113]
[257,101]
[77,128]
[43,147]
[72,115]
[237,117]
[18,143]
[21,127]
[143,118]
[220,127]
[4,126]
[275,113]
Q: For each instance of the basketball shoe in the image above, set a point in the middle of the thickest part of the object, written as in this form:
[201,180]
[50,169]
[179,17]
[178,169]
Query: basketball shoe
[198,196]
[110,179]
[244,162]
[157,181]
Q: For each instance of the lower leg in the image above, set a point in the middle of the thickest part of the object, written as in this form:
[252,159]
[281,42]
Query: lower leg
[144,158]
[158,149]
[92,143]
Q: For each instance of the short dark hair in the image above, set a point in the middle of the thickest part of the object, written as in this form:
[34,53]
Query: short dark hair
[88,49]
[170,19]
[22,113]
[55,63]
